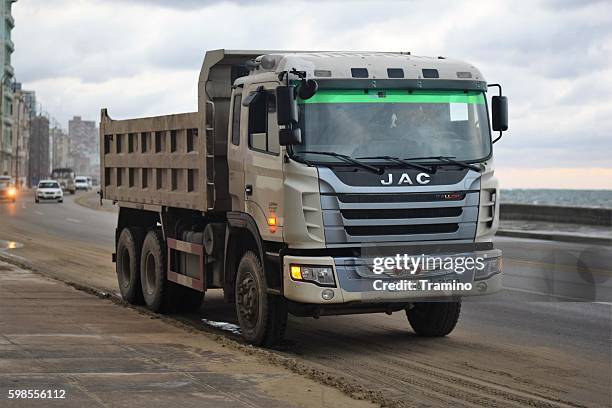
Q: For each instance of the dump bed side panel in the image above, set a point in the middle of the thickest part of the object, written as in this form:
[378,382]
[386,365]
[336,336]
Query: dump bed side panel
[158,160]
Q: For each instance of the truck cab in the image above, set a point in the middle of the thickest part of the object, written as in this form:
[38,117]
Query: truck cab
[418,178]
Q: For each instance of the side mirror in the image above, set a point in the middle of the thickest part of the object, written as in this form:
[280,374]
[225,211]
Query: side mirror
[286,106]
[308,88]
[289,136]
[499,113]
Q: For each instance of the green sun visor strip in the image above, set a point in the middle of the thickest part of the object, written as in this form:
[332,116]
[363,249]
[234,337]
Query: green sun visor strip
[394,96]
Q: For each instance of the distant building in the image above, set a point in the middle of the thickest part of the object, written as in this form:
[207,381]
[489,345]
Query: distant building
[60,148]
[22,114]
[7,23]
[30,100]
[84,148]
[38,168]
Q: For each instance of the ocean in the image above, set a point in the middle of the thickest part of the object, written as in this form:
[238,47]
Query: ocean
[571,198]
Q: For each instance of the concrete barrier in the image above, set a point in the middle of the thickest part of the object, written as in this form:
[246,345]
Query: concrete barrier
[557,214]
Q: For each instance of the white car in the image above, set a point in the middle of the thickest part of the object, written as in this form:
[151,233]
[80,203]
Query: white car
[81,183]
[49,190]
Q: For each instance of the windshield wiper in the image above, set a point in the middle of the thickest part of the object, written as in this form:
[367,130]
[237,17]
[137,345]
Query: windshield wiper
[449,160]
[346,158]
[401,161]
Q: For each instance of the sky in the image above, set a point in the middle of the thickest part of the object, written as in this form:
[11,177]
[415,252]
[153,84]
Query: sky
[142,57]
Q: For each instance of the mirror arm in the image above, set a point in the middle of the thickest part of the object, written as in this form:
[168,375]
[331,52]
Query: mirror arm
[498,86]
[497,138]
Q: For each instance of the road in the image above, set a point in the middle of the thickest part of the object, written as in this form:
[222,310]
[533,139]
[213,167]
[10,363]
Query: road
[546,340]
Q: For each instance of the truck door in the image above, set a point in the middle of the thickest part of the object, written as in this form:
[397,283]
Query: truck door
[263,165]
[236,150]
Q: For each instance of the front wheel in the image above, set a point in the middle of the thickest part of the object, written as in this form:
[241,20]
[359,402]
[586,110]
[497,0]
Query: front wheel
[434,319]
[262,317]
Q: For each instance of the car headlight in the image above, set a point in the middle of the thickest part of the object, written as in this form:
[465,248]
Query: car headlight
[491,267]
[12,192]
[318,274]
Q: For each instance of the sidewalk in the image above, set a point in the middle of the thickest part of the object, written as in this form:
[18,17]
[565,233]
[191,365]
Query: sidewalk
[54,337]
[564,232]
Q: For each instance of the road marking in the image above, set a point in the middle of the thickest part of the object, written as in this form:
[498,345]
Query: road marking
[574,299]
[73,220]
[39,213]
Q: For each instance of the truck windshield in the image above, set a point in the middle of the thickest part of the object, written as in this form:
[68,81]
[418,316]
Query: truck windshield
[397,123]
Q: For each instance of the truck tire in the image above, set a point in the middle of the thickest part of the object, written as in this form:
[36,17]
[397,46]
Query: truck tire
[262,317]
[153,267]
[128,264]
[434,319]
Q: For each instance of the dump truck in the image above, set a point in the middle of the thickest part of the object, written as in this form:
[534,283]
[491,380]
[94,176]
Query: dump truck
[298,177]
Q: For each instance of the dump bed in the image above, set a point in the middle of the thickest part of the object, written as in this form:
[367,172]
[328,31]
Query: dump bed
[158,160]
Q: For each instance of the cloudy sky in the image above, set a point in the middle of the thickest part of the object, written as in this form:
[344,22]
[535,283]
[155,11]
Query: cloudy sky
[142,57]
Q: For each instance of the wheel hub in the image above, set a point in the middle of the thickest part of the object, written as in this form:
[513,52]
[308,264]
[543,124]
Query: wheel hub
[248,300]
[125,271]
[150,281]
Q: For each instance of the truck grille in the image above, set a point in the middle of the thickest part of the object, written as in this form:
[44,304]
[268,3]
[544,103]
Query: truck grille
[401,198]
[402,213]
[402,229]
[371,214]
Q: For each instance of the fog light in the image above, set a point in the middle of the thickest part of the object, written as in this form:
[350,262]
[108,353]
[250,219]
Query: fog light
[491,266]
[481,287]
[327,294]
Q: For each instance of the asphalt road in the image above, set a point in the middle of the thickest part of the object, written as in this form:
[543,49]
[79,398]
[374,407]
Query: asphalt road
[546,340]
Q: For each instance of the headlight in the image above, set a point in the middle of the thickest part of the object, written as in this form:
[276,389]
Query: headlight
[317,274]
[491,267]
[12,192]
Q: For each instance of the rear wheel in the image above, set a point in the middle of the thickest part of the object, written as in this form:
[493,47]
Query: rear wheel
[262,317]
[155,286]
[129,247]
[161,295]
[434,319]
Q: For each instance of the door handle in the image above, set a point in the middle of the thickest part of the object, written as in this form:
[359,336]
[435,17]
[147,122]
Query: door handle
[248,189]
